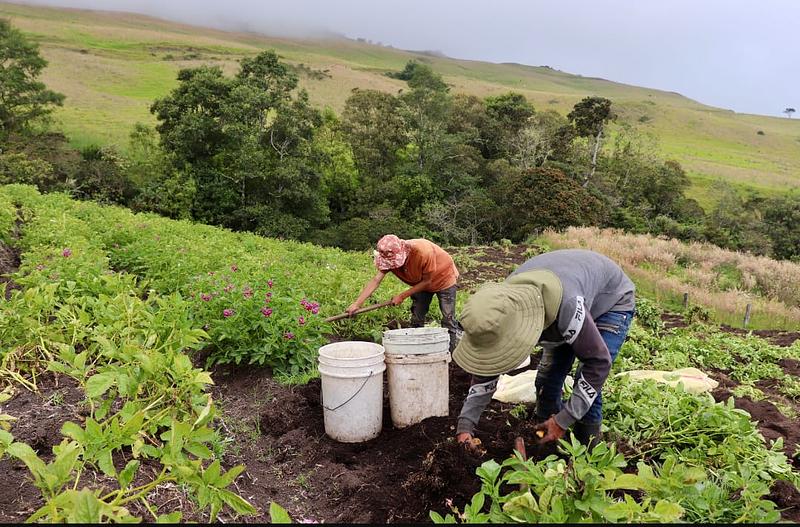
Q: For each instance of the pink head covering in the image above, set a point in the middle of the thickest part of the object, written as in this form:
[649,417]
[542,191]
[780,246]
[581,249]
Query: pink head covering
[391,254]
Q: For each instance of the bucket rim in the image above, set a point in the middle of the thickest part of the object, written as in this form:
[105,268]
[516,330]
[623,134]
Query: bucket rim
[378,349]
[380,368]
[426,330]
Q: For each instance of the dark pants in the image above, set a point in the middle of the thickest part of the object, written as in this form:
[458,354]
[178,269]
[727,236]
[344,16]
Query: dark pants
[421,303]
[556,364]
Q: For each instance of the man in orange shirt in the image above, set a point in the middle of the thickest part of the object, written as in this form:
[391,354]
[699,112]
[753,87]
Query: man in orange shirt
[427,268]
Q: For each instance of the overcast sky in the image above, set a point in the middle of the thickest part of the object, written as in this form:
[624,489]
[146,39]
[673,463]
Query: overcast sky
[737,54]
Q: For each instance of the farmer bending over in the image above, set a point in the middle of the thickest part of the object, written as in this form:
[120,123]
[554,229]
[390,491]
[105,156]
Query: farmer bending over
[427,268]
[574,303]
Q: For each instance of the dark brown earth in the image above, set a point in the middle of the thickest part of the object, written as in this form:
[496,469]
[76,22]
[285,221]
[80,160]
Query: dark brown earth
[279,435]
[774,336]
[397,477]
[39,420]
[489,263]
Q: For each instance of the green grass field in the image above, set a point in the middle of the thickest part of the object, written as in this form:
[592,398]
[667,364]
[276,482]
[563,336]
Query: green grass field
[111,66]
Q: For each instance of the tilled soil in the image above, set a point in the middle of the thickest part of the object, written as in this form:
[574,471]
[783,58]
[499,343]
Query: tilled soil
[397,477]
[773,425]
[39,420]
[773,336]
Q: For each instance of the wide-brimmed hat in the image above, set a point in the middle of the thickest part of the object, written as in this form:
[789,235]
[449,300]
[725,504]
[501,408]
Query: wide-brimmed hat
[397,249]
[502,324]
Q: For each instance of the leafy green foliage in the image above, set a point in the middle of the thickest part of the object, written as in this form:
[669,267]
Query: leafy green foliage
[24,100]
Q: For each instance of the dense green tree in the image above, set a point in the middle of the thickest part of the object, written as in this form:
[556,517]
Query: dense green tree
[100,176]
[425,110]
[161,187]
[375,130]
[24,100]
[782,223]
[340,178]
[736,222]
[508,114]
[590,116]
[247,143]
[535,199]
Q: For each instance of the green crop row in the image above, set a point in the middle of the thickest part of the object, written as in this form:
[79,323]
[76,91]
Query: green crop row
[260,301]
[124,346]
[8,215]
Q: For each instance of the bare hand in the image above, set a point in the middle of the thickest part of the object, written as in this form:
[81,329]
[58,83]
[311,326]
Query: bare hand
[548,431]
[471,444]
[353,308]
[397,300]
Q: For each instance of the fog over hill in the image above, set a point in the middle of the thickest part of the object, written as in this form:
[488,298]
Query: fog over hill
[735,54]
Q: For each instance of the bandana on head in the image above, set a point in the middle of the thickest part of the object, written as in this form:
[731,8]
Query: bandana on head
[395,253]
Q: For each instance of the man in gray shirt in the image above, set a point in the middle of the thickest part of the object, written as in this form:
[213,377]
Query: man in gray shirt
[574,303]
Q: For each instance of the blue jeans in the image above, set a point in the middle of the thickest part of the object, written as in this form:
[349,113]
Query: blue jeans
[556,364]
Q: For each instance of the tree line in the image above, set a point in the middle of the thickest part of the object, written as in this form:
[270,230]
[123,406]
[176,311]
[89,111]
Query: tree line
[251,152]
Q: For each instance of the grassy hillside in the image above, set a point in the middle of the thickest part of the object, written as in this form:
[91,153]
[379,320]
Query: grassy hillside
[111,66]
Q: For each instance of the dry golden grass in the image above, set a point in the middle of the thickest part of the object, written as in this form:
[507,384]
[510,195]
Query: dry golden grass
[724,281]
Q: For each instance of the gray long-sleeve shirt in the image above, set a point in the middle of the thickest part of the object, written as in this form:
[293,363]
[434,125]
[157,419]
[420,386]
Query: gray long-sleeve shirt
[592,286]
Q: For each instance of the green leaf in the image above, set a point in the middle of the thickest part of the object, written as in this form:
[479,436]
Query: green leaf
[27,455]
[668,512]
[73,431]
[205,413]
[99,384]
[203,377]
[172,517]
[106,463]
[211,474]
[626,481]
[127,474]
[239,504]
[199,450]
[86,508]
[278,514]
[227,478]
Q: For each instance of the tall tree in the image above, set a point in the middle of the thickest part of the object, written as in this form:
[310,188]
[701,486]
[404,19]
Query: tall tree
[247,142]
[426,108]
[590,116]
[24,100]
[789,112]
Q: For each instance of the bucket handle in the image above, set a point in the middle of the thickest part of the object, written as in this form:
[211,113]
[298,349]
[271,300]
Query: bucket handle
[366,379]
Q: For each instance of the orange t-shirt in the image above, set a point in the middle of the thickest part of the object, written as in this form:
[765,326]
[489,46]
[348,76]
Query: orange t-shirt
[425,258]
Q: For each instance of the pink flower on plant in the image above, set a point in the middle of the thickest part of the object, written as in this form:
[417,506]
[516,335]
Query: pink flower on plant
[234,268]
[301,320]
[315,310]
[40,267]
[268,297]
[204,297]
[269,283]
[228,288]
[288,335]
[66,253]
[247,293]
[266,311]
[227,313]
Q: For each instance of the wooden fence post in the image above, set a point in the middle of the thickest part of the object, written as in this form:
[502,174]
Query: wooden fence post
[685,300]
[747,314]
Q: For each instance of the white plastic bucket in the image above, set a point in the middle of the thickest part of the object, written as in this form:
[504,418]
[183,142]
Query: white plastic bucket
[416,341]
[352,390]
[417,367]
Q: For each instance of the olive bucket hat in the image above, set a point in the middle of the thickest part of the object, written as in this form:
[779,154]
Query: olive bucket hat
[502,323]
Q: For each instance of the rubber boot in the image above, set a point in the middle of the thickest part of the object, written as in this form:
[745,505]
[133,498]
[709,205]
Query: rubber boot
[588,434]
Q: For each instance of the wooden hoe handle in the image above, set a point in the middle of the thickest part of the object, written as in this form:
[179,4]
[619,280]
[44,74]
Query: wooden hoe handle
[359,311]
